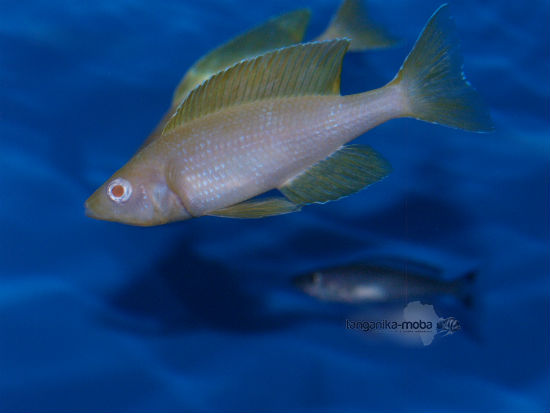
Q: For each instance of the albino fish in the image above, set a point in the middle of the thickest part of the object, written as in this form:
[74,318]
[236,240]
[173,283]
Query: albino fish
[278,121]
[350,21]
[388,281]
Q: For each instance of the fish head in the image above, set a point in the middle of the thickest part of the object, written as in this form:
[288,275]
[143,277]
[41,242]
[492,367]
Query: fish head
[311,284]
[136,196]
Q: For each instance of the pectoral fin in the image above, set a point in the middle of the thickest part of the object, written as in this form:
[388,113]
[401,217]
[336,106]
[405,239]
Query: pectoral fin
[257,208]
[345,172]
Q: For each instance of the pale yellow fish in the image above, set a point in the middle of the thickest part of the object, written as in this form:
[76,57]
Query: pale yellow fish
[351,21]
[277,121]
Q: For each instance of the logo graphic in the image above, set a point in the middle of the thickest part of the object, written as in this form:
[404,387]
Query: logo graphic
[418,321]
[449,325]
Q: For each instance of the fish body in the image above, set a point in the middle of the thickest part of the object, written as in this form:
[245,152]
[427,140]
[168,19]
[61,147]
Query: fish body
[375,283]
[215,162]
[277,121]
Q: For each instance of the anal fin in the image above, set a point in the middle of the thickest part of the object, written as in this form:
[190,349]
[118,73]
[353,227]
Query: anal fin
[345,172]
[257,208]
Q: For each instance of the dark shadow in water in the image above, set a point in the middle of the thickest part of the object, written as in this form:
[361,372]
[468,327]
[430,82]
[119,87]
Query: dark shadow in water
[315,243]
[417,217]
[182,292]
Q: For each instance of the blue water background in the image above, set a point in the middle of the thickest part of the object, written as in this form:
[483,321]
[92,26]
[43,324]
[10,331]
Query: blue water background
[97,316]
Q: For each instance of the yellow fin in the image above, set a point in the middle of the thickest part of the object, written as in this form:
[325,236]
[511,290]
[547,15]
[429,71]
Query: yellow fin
[433,80]
[345,172]
[352,21]
[257,208]
[277,32]
[300,70]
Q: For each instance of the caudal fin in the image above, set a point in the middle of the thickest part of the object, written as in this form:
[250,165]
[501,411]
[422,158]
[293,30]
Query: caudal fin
[434,84]
[463,288]
[353,22]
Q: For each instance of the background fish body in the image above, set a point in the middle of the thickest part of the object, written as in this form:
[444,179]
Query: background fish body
[351,21]
[370,283]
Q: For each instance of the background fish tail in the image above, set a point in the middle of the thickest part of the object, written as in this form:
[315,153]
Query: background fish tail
[434,84]
[352,21]
[467,309]
[280,31]
[464,288]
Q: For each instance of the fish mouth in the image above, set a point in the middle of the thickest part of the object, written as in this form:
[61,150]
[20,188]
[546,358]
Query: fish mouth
[88,210]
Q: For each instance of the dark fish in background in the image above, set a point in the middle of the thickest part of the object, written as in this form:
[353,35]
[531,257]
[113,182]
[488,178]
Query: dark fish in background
[351,21]
[395,280]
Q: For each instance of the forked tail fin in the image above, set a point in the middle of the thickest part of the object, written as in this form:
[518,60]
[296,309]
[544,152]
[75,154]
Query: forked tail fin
[433,83]
[352,21]
[464,288]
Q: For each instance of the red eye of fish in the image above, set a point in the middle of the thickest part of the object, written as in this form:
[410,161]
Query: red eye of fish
[119,190]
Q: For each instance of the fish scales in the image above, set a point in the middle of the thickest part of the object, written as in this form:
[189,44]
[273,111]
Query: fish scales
[238,153]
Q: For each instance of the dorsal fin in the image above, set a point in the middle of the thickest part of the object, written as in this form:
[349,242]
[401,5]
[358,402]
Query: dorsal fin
[277,32]
[299,70]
